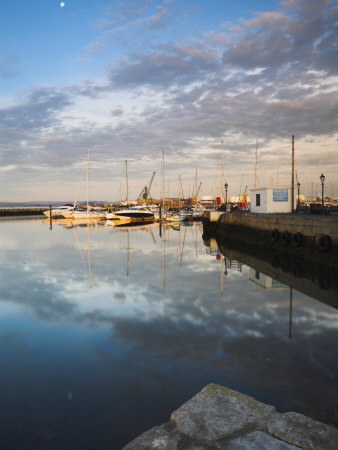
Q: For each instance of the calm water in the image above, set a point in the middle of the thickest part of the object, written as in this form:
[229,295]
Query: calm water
[97,346]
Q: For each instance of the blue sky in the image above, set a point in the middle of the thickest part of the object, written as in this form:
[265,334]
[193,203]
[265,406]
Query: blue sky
[129,79]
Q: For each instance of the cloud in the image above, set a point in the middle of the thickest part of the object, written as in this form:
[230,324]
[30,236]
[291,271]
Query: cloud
[165,66]
[37,111]
[271,76]
[158,20]
[117,111]
[275,39]
[9,64]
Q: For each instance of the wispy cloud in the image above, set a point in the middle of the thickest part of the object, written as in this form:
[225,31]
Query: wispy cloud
[269,76]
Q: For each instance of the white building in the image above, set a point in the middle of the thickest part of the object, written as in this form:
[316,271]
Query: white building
[271,200]
[265,281]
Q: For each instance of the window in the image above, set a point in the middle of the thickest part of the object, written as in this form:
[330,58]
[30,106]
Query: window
[258,199]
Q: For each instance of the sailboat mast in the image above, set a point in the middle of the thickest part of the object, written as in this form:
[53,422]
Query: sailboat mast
[222,172]
[256,164]
[127,181]
[88,180]
[179,192]
[163,178]
[196,186]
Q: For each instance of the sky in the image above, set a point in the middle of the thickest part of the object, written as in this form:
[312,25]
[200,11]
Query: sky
[164,83]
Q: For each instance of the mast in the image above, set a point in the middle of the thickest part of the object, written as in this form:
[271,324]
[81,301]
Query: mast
[293,176]
[222,173]
[127,181]
[88,180]
[179,192]
[163,178]
[196,185]
[256,164]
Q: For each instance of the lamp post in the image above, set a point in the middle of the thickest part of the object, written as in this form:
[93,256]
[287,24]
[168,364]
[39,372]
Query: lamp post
[298,187]
[322,178]
[226,194]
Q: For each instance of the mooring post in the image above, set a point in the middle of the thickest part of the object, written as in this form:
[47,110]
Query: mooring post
[50,217]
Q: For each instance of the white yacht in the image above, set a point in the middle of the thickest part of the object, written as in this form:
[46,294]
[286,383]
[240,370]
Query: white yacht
[176,216]
[61,211]
[133,214]
[89,213]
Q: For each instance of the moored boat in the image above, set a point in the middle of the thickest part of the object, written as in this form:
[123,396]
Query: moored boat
[176,217]
[60,212]
[133,214]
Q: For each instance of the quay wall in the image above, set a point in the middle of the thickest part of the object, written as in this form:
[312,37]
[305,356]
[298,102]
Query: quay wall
[308,238]
[11,212]
[307,225]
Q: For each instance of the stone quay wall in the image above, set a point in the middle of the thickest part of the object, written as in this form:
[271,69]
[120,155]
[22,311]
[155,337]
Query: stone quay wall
[218,418]
[306,237]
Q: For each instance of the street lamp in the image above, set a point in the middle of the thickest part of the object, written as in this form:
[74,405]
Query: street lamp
[322,178]
[298,187]
[226,193]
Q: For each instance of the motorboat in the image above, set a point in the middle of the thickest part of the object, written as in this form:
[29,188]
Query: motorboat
[89,213]
[176,216]
[187,213]
[61,211]
[133,214]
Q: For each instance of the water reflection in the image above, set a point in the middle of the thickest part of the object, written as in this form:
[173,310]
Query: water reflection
[95,366]
[311,279]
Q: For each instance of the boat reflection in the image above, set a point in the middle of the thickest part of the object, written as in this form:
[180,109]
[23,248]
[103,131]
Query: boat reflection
[73,223]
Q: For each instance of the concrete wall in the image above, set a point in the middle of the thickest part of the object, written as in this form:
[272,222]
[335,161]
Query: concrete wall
[307,225]
[257,230]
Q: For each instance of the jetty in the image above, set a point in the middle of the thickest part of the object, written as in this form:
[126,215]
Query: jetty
[221,418]
[18,212]
[308,238]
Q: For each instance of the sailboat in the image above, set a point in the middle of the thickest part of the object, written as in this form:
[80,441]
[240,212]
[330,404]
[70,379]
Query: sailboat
[137,213]
[177,216]
[89,213]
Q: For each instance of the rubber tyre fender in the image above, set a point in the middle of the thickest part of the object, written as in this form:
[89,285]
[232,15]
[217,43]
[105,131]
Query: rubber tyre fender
[275,235]
[297,239]
[285,238]
[324,242]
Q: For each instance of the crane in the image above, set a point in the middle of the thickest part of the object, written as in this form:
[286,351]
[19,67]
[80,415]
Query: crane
[145,193]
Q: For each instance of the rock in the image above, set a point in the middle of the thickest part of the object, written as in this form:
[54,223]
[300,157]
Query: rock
[217,412]
[258,440]
[218,418]
[304,432]
[156,438]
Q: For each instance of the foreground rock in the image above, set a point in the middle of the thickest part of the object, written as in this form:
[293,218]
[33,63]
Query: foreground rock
[220,418]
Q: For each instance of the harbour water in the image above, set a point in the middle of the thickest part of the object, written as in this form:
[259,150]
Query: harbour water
[105,331]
